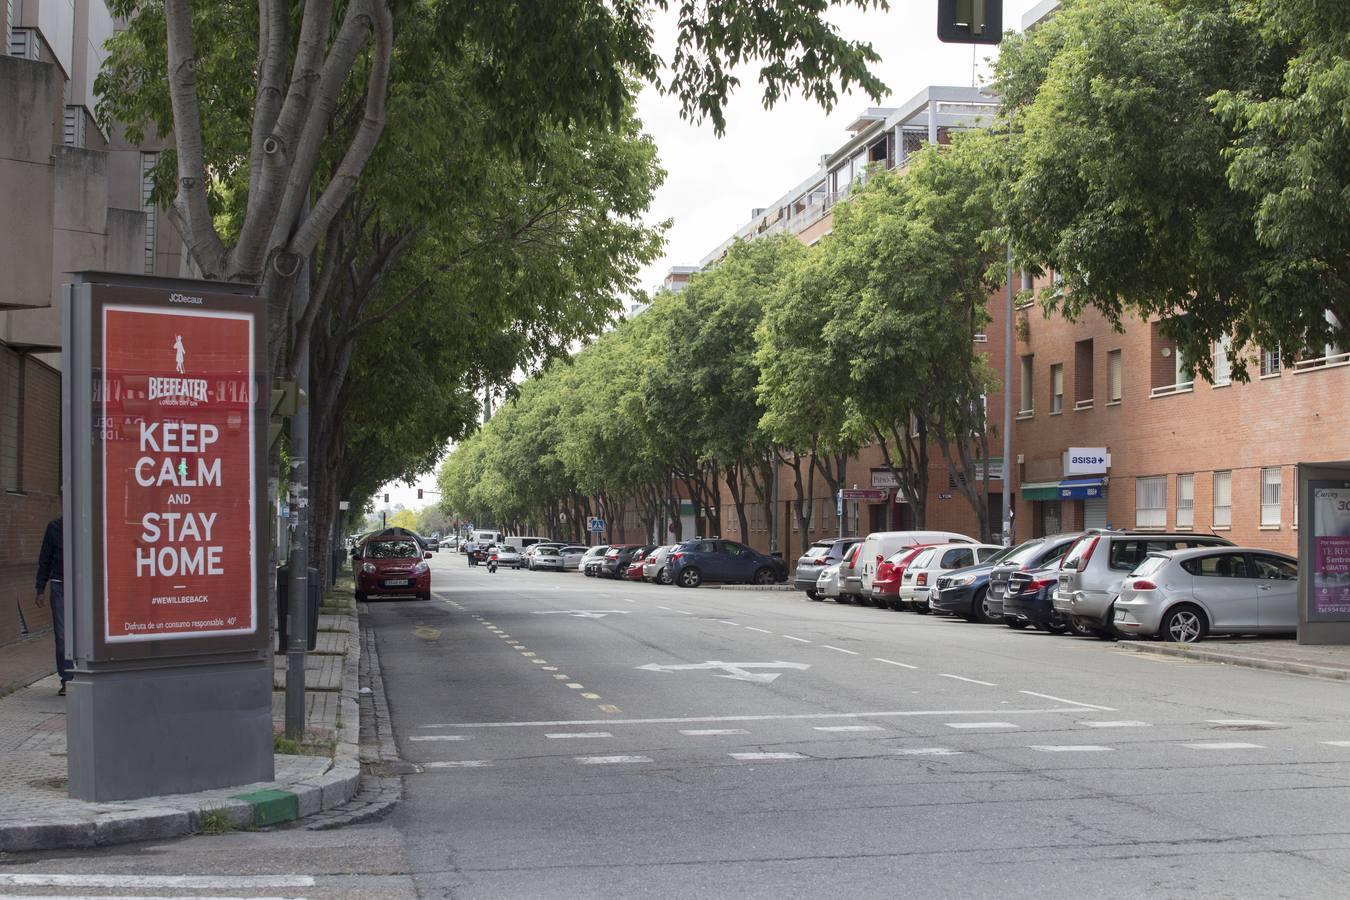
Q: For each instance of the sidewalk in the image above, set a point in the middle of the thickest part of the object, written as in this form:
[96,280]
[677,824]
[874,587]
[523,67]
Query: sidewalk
[37,814]
[1287,655]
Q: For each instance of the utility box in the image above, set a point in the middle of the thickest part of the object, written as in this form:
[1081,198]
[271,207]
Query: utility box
[1324,553]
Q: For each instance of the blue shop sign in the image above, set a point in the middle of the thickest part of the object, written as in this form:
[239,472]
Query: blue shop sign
[1082,489]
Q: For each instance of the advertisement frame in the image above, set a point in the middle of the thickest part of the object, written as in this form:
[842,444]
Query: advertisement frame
[1314,526]
[91,299]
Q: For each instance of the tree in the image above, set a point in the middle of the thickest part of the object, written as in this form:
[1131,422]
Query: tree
[1182,159]
[531,62]
[404,518]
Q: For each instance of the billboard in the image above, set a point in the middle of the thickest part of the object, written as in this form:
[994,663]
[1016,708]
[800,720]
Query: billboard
[179,478]
[166,471]
[1330,551]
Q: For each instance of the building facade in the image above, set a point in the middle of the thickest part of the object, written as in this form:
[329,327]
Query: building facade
[75,199]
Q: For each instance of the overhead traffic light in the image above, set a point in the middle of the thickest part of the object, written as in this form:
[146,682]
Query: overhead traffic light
[419,493]
[970,21]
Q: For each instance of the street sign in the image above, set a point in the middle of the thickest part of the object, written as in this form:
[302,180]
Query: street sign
[733,670]
[595,524]
[866,495]
[838,504]
[1086,461]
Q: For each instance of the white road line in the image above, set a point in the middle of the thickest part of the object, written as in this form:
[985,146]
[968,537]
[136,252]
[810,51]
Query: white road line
[726,622]
[1073,702]
[136,897]
[666,608]
[797,639]
[929,751]
[683,612]
[191,882]
[839,649]
[539,662]
[1221,745]
[563,677]
[1240,722]
[760,630]
[626,600]
[786,717]
[576,687]
[550,668]
[849,728]
[757,756]
[1124,723]
[458,764]
[438,737]
[1070,748]
[525,653]
[591,696]
[578,734]
[971,680]
[981,725]
[609,760]
[1337,743]
[704,732]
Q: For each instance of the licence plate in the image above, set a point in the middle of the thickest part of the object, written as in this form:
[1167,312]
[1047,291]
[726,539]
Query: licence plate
[396,582]
[1120,615]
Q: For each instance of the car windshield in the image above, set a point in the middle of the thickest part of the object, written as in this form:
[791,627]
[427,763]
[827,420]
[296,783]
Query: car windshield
[547,551]
[816,552]
[1150,565]
[1000,556]
[391,550]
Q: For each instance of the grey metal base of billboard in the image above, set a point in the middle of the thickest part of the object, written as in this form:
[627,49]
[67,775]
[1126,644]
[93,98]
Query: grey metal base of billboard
[169,730]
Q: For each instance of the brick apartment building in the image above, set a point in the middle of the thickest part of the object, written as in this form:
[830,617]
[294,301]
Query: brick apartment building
[1168,451]
[74,198]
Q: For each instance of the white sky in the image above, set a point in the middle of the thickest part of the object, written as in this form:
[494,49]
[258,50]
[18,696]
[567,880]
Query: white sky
[712,183]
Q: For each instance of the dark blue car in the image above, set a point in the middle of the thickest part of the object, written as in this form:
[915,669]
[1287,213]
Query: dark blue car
[713,559]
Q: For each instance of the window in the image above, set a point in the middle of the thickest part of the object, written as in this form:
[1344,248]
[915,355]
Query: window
[1271,483]
[1113,376]
[1083,386]
[1270,363]
[1027,394]
[959,558]
[1223,367]
[11,418]
[1057,388]
[1185,501]
[148,163]
[1185,374]
[1274,568]
[1220,565]
[1150,502]
[1223,499]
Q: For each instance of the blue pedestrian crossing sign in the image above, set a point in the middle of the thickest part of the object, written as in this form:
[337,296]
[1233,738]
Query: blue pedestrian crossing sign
[595,524]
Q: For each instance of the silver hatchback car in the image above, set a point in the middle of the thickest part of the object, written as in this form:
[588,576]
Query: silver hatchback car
[656,567]
[1183,595]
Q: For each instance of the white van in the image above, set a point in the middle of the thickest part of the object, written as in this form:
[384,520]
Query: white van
[521,542]
[879,545]
[483,539]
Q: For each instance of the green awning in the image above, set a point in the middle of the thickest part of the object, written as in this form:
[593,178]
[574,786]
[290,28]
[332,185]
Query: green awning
[1043,490]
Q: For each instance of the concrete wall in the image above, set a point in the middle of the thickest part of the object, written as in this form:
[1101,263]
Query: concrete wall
[30,100]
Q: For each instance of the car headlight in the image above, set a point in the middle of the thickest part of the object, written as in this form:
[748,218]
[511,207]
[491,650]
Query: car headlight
[368,568]
[962,580]
[420,568]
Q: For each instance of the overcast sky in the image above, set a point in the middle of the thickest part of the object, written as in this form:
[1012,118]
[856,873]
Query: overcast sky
[713,183]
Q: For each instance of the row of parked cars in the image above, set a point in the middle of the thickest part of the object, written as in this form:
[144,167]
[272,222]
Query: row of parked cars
[1177,586]
[687,564]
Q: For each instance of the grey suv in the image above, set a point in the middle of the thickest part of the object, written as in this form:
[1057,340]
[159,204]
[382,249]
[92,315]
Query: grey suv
[817,557]
[1092,572]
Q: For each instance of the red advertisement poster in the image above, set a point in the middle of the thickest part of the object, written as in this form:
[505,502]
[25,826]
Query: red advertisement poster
[178,474]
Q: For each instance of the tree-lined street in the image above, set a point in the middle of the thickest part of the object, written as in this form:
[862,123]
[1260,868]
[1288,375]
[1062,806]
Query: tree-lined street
[568,737]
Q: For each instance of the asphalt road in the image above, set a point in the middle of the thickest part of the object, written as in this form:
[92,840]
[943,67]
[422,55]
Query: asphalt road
[581,738]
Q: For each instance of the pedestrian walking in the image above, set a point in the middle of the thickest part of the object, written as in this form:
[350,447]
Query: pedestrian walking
[473,552]
[51,571]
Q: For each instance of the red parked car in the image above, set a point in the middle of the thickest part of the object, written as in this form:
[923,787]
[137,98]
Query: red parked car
[634,570]
[392,566]
[886,582]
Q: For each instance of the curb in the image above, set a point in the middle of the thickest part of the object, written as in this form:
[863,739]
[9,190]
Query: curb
[750,587]
[259,805]
[1289,667]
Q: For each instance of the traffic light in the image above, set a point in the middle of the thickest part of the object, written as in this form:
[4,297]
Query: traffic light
[419,493]
[970,21]
[386,498]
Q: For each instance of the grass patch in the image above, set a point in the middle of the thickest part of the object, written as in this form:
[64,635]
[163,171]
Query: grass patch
[291,747]
[214,821]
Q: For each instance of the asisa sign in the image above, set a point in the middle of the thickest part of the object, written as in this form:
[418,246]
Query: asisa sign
[165,472]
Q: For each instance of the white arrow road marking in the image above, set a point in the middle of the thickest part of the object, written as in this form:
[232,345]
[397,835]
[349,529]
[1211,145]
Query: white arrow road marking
[582,613]
[734,671]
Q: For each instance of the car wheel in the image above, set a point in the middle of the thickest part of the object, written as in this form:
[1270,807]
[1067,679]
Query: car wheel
[424,596]
[980,609]
[922,608]
[1055,624]
[1184,625]
[812,595]
[1081,627]
[764,576]
[663,577]
[1015,624]
[360,596]
[690,577]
